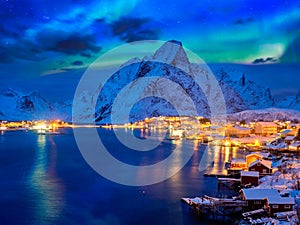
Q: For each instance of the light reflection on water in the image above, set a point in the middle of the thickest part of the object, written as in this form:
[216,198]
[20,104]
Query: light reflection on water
[224,155]
[56,186]
[47,190]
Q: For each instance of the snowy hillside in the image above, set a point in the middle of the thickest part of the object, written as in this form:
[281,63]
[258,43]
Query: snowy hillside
[15,105]
[269,114]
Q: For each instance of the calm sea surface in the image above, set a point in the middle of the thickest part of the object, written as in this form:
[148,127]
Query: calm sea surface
[45,180]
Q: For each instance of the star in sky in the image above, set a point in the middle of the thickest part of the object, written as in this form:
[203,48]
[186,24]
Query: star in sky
[50,36]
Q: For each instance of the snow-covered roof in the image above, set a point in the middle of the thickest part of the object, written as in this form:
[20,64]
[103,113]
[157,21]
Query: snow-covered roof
[236,160]
[266,163]
[242,128]
[258,194]
[265,154]
[296,144]
[277,163]
[249,174]
[267,124]
[281,200]
[215,127]
[260,154]
[289,138]
[285,131]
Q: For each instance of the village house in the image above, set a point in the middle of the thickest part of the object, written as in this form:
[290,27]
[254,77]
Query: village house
[157,122]
[237,131]
[257,198]
[295,146]
[269,199]
[289,139]
[264,167]
[236,166]
[293,129]
[249,177]
[265,128]
[250,158]
[279,204]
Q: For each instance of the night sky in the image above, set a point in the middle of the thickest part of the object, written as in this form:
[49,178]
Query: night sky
[59,39]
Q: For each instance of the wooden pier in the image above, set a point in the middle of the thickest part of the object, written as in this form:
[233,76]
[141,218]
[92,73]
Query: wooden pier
[228,182]
[214,207]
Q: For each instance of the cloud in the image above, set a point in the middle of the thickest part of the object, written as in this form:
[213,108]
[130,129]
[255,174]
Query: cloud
[85,54]
[292,52]
[76,44]
[5,57]
[22,50]
[131,29]
[264,60]
[54,71]
[68,29]
[68,43]
[77,63]
[47,41]
[242,21]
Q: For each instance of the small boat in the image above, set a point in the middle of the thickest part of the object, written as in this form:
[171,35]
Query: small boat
[41,131]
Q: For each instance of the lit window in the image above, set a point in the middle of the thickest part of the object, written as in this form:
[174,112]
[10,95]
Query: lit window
[287,206]
[275,206]
[257,202]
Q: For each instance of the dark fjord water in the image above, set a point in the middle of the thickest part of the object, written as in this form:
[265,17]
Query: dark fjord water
[45,180]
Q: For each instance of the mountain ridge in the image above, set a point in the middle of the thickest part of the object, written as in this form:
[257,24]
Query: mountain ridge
[169,62]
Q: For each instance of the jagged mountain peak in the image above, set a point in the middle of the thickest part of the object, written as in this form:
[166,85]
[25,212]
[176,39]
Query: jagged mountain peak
[172,53]
[297,97]
[9,92]
[239,95]
[295,101]
[17,105]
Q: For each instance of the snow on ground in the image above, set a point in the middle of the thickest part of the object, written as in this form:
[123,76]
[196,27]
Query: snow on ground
[285,179]
[268,114]
[252,138]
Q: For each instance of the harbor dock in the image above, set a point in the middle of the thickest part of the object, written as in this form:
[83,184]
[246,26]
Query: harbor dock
[215,207]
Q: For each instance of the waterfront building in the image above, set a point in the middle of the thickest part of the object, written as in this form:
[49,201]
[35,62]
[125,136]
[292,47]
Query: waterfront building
[279,204]
[265,128]
[249,177]
[264,167]
[237,131]
[257,198]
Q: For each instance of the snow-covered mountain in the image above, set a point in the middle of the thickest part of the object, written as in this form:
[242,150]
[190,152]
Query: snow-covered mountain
[16,105]
[242,94]
[244,98]
[239,95]
[290,102]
